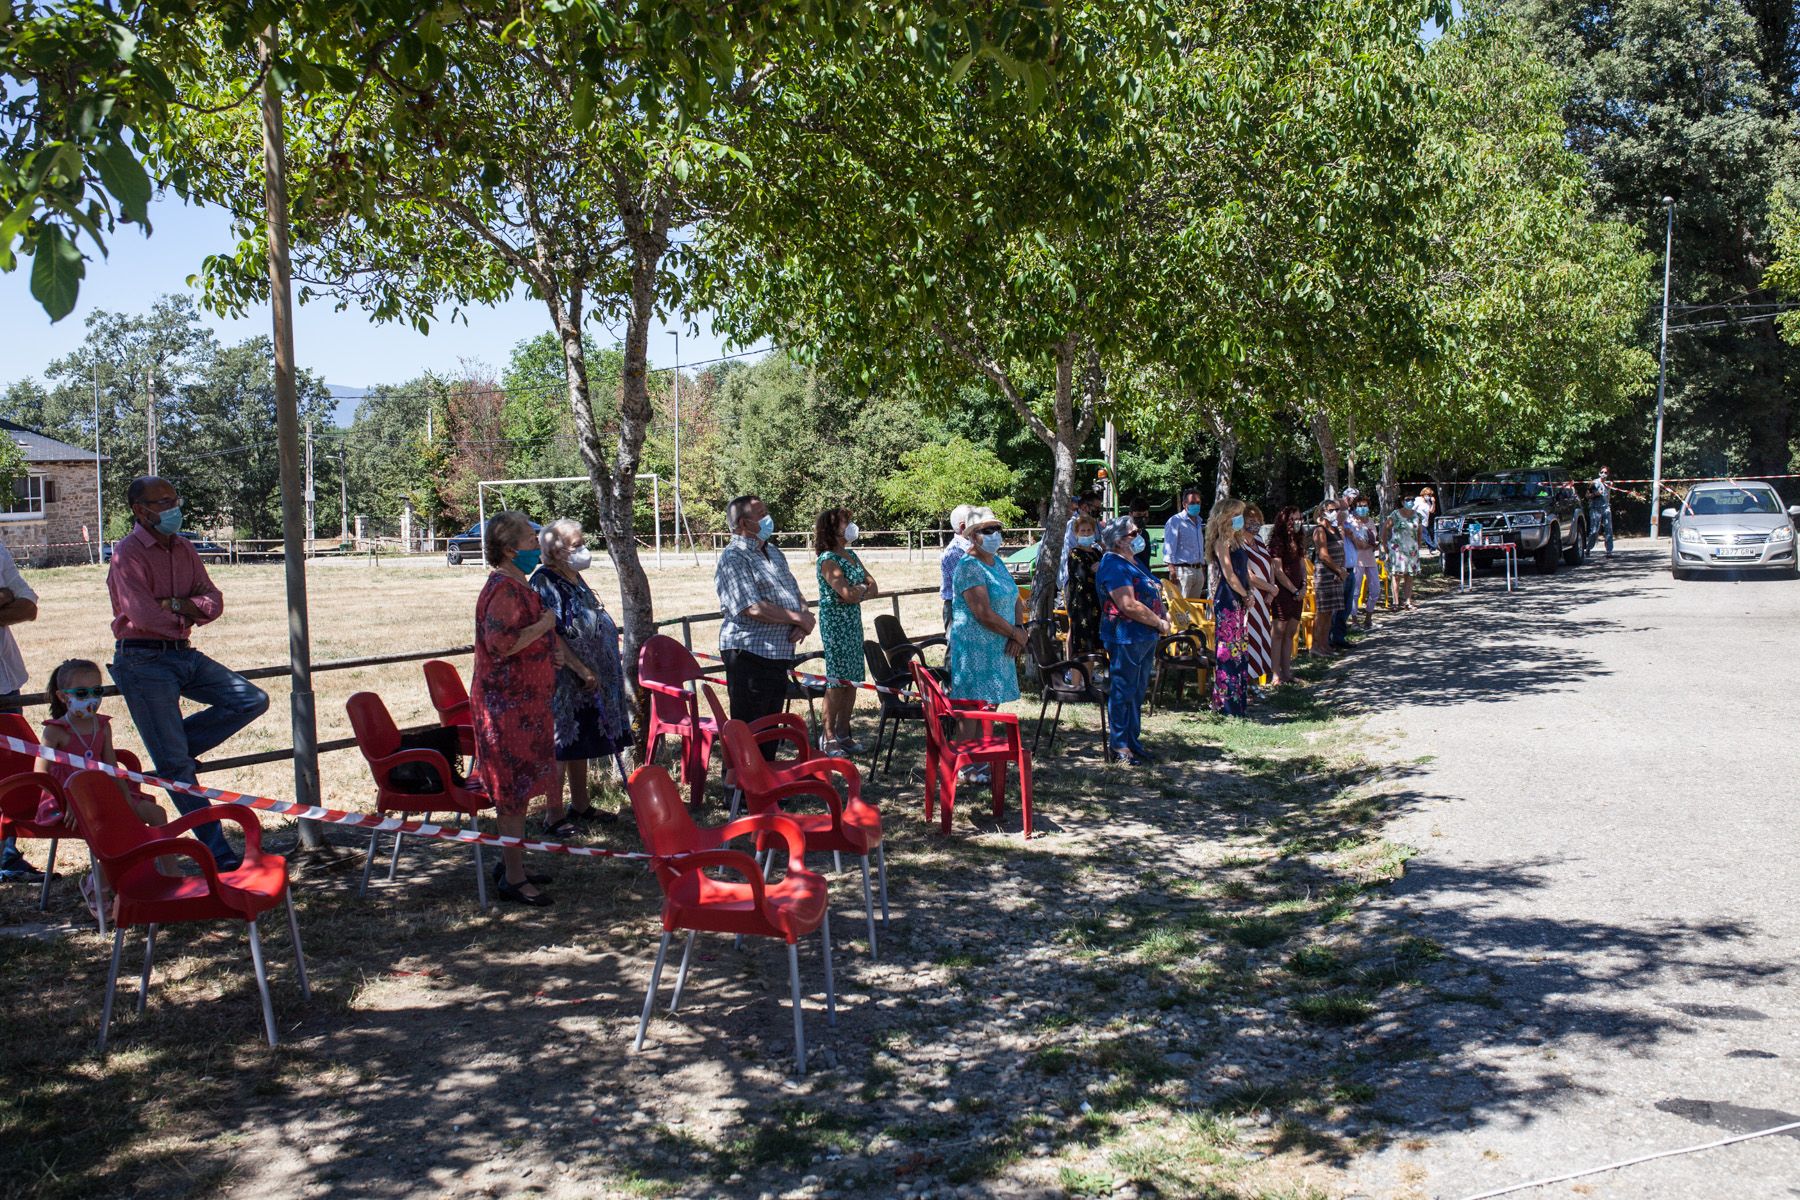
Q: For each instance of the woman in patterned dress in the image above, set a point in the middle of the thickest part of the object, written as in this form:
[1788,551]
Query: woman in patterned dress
[1260,625]
[515,674]
[591,713]
[1080,600]
[1230,560]
[1405,528]
[1328,576]
[844,583]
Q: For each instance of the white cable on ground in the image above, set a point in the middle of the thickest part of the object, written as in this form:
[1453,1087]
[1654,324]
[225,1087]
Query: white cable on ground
[1632,1162]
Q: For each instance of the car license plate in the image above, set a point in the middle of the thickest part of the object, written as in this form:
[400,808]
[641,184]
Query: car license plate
[1738,552]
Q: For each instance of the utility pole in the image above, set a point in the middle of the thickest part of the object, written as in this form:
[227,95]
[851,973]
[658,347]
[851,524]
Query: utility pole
[287,419]
[1662,369]
[99,487]
[343,495]
[676,334]
[1112,469]
[309,492]
[430,518]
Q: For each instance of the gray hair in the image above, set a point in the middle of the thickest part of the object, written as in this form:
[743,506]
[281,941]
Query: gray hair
[499,535]
[1111,533]
[550,537]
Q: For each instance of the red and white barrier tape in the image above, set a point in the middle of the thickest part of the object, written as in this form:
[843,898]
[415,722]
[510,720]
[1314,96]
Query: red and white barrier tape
[330,816]
[811,680]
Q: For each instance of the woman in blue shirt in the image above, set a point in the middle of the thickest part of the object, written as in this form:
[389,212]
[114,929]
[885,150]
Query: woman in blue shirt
[1131,621]
[987,626]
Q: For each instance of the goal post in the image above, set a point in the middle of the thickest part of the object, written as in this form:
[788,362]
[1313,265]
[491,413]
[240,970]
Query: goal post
[482,486]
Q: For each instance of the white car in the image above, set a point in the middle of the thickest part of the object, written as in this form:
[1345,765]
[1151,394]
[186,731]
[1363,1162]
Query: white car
[1728,526]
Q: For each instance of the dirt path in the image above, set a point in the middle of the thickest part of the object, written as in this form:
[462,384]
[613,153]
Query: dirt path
[1608,831]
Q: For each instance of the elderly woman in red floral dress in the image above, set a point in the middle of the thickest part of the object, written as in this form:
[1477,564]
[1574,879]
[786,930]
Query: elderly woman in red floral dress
[515,674]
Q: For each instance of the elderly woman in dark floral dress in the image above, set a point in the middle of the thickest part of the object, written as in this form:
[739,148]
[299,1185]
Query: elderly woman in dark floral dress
[592,720]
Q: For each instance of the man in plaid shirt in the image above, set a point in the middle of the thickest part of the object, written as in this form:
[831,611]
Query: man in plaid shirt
[763,614]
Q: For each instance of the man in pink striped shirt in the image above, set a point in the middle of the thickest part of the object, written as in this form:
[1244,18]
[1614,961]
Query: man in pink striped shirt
[160,591]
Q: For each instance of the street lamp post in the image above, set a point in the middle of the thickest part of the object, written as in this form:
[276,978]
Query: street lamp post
[676,334]
[1662,370]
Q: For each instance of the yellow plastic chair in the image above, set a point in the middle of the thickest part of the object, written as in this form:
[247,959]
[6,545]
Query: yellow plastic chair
[1188,612]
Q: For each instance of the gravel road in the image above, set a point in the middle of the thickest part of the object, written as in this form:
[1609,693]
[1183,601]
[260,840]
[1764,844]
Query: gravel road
[1608,830]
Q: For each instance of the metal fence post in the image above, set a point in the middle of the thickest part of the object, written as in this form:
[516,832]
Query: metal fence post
[687,633]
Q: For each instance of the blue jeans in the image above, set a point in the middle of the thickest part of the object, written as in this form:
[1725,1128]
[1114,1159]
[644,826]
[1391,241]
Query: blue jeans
[1601,518]
[154,682]
[1128,681]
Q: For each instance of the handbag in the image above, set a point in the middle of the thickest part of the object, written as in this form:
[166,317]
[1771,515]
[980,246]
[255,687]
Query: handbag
[422,779]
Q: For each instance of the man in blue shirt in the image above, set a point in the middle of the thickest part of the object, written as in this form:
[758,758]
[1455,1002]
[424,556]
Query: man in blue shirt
[1184,546]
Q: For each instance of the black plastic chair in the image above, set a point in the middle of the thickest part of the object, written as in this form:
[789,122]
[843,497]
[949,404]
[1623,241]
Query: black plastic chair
[894,709]
[812,693]
[902,650]
[1178,653]
[1066,681]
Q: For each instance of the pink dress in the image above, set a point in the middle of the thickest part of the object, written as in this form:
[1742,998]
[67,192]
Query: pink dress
[85,747]
[515,731]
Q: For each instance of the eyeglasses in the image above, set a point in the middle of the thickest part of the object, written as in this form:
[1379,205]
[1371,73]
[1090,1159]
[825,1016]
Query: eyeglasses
[162,505]
[92,693]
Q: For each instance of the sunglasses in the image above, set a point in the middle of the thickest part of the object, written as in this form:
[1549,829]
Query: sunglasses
[92,693]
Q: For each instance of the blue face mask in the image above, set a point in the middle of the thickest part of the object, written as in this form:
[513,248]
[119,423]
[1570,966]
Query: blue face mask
[168,522]
[1137,544]
[991,542]
[1237,523]
[1083,540]
[1193,510]
[765,528]
[527,560]
[1362,510]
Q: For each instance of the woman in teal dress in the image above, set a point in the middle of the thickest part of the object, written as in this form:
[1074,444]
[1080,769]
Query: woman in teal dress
[844,583]
[987,632]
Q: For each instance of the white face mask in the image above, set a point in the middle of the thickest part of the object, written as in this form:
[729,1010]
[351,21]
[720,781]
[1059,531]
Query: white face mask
[961,542]
[84,707]
[851,533]
[581,559]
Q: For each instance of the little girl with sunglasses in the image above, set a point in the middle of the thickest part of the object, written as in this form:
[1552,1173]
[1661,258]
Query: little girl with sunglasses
[77,726]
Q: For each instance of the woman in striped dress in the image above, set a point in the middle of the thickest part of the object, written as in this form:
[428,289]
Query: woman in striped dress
[1328,575]
[1260,620]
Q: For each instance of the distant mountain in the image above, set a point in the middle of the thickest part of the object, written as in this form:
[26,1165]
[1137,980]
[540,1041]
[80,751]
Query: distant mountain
[347,399]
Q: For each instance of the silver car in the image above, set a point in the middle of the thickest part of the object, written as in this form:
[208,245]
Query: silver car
[1729,526]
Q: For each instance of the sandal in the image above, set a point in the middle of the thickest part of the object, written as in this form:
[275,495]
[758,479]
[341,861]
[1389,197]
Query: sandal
[499,874]
[591,816]
[516,894]
[561,828]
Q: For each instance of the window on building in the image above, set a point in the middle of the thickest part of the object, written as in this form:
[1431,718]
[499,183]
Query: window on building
[27,500]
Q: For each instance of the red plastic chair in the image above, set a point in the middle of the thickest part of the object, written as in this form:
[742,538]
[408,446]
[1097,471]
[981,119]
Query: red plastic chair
[847,826]
[127,850]
[450,697]
[379,740]
[22,787]
[665,670]
[695,901]
[946,755]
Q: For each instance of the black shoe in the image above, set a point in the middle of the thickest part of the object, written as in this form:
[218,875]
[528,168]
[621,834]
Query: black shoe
[499,874]
[516,895]
[591,816]
[560,829]
[1143,755]
[17,870]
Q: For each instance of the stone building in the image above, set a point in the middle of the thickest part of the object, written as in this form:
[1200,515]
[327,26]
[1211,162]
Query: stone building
[52,516]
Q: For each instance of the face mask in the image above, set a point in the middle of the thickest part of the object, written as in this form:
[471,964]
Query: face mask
[991,542]
[1193,510]
[962,543]
[1084,539]
[1362,510]
[1237,523]
[1137,544]
[851,533]
[581,560]
[89,705]
[168,522]
[527,560]
[1332,516]
[765,528]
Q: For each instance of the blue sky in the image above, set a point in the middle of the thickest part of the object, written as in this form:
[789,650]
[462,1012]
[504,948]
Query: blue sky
[345,347]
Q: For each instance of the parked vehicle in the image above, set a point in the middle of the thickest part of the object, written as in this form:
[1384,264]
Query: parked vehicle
[1729,526]
[1538,510]
[467,544]
[209,551]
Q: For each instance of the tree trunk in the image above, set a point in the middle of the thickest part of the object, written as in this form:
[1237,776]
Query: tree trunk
[1328,449]
[301,722]
[1065,444]
[1228,448]
[1390,483]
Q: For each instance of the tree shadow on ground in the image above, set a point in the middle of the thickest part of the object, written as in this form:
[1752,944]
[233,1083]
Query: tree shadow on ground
[1194,967]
